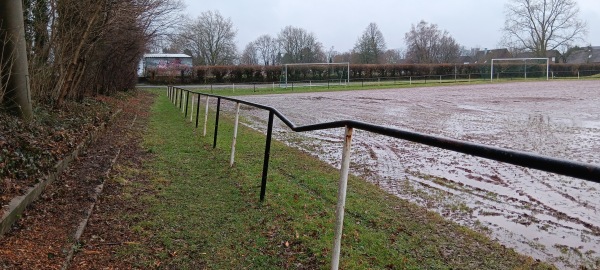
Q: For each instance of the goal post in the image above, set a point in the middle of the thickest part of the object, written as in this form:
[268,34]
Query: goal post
[344,77]
[524,61]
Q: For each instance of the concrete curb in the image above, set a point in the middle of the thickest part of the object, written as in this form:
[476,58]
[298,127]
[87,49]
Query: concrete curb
[18,204]
[97,191]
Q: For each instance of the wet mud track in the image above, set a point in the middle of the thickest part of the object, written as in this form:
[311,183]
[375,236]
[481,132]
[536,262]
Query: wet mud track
[550,217]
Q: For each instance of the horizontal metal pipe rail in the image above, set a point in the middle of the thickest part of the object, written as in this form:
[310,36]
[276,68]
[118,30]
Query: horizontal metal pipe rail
[575,169]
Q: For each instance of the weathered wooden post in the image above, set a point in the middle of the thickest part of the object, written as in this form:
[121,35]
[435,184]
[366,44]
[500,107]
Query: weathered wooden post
[235,131]
[205,116]
[341,199]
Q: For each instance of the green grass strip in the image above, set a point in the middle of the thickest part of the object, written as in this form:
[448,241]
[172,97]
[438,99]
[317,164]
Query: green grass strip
[208,215]
[262,89]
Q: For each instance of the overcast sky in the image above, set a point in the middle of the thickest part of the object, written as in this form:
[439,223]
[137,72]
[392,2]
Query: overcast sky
[339,23]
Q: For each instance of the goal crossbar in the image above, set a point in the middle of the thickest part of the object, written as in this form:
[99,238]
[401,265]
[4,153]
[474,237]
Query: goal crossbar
[521,59]
[347,64]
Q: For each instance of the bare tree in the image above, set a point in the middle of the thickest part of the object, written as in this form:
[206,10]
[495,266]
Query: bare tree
[393,56]
[371,45]
[427,44]
[268,49]
[331,54]
[14,76]
[542,25]
[300,46]
[87,47]
[37,17]
[211,39]
[250,55]
[7,61]
[344,57]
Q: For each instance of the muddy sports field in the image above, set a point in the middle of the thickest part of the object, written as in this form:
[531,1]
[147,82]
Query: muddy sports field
[550,217]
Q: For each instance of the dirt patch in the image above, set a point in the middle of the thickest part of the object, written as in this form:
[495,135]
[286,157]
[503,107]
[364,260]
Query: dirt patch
[43,237]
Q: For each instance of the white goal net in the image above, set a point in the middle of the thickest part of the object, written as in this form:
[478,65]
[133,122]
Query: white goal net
[504,68]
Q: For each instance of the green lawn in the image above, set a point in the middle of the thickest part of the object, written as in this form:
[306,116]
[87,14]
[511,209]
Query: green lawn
[249,89]
[205,214]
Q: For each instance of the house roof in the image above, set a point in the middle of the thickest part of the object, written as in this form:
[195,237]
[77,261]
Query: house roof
[585,55]
[166,55]
[487,55]
[464,59]
[549,54]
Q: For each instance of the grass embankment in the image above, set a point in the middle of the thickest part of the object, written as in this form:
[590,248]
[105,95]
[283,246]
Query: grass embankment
[207,215]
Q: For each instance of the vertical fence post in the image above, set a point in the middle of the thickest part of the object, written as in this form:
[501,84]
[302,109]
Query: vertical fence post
[192,109]
[198,109]
[341,199]
[217,122]
[181,99]
[235,131]
[187,99]
[263,186]
[174,96]
[205,116]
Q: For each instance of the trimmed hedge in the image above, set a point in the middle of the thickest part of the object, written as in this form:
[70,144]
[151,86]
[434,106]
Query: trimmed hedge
[265,74]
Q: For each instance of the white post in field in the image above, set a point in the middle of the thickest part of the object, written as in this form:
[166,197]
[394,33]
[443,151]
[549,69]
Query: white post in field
[341,199]
[235,131]
[205,116]
[192,113]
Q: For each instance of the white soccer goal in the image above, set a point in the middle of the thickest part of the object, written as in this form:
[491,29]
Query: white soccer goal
[522,66]
[340,75]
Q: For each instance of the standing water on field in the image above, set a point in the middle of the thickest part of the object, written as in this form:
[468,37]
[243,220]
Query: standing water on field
[550,217]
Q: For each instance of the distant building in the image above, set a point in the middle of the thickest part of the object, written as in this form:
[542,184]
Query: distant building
[486,56]
[465,59]
[163,64]
[584,55]
[553,55]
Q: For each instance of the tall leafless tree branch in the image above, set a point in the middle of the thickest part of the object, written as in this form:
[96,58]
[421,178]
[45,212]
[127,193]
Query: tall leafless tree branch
[371,46]
[542,25]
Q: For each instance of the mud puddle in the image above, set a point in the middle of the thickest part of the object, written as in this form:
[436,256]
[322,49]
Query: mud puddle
[550,217]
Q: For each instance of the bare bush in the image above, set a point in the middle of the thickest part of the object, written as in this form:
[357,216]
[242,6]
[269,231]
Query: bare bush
[6,62]
[87,47]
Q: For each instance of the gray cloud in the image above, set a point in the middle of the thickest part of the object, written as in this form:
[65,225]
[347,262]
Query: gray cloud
[339,23]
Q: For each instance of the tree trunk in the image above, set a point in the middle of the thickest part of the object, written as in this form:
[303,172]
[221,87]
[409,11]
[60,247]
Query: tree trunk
[17,98]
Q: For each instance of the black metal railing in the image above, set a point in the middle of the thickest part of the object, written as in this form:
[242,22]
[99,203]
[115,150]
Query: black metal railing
[570,168]
[575,169]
